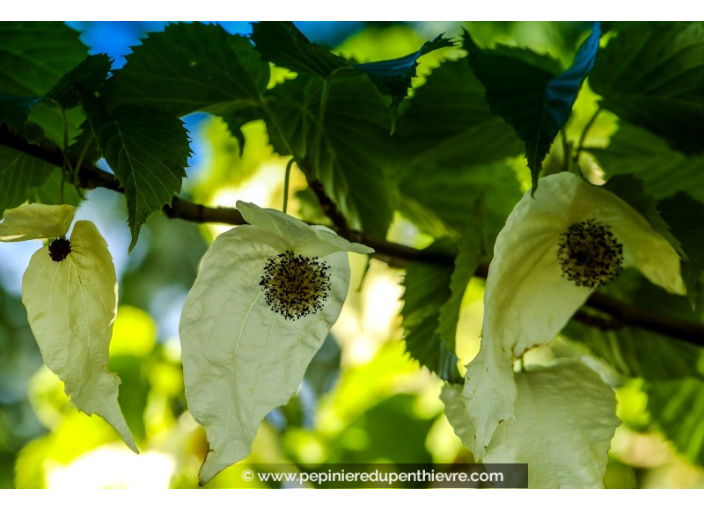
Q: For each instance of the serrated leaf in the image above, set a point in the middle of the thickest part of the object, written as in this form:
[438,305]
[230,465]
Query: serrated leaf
[71,306]
[565,417]
[630,189]
[678,409]
[36,221]
[241,359]
[685,217]
[283,44]
[33,56]
[350,154]
[90,74]
[427,289]
[637,352]
[664,171]
[531,98]
[653,76]
[393,77]
[20,173]
[470,250]
[190,67]
[148,151]
[14,111]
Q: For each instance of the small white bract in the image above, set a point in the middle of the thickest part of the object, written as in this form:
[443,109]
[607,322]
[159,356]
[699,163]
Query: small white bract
[265,298]
[554,251]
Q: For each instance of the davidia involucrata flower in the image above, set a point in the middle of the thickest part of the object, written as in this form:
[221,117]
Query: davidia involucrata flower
[264,300]
[554,251]
[70,292]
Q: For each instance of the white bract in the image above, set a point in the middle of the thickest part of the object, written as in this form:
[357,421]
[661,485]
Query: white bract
[70,292]
[554,251]
[264,300]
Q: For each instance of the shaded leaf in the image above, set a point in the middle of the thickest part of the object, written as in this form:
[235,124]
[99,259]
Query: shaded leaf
[393,77]
[20,173]
[531,98]
[71,306]
[348,152]
[191,67]
[427,289]
[470,250]
[283,44]
[148,151]
[14,111]
[90,74]
[664,171]
[653,76]
[685,217]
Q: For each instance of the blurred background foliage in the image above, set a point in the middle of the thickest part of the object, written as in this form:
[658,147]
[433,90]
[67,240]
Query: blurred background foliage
[362,400]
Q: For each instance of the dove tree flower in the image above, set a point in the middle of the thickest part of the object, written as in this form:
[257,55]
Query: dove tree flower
[554,251]
[264,300]
[70,292]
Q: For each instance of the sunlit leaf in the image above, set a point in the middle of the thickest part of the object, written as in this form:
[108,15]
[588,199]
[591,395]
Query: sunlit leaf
[71,306]
[565,417]
[36,221]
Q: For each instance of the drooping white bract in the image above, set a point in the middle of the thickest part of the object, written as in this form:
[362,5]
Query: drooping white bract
[264,300]
[70,292]
[553,251]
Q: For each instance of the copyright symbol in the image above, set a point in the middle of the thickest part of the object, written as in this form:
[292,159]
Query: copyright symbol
[247,475]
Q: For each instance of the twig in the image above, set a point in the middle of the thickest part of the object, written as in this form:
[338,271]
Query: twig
[397,255]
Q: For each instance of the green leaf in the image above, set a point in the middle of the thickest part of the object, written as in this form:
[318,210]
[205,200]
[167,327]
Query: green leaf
[684,215]
[448,124]
[33,56]
[348,152]
[36,221]
[14,111]
[50,192]
[241,359]
[427,289]
[393,77]
[71,306]
[630,189]
[20,173]
[664,171]
[530,97]
[565,417]
[148,151]
[637,352]
[678,409]
[470,251]
[190,67]
[653,76]
[90,74]
[283,44]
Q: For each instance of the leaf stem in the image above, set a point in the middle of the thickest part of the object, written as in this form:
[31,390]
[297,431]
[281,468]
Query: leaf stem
[582,139]
[287,179]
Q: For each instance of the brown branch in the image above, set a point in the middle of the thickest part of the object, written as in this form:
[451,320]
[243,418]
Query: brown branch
[397,255]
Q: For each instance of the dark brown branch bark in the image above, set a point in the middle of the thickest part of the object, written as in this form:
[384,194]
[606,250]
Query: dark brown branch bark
[397,255]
